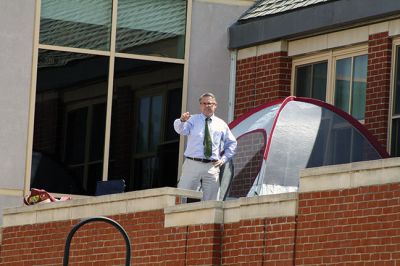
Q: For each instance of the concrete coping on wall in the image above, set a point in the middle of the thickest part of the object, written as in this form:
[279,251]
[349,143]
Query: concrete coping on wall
[218,212]
[334,177]
[346,176]
[113,204]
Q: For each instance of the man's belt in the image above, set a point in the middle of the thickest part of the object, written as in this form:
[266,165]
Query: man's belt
[201,160]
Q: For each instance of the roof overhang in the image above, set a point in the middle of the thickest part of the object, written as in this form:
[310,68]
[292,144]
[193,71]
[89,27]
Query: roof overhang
[310,20]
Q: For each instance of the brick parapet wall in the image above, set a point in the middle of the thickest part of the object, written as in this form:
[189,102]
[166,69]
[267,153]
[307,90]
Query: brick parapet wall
[261,79]
[254,242]
[356,225]
[378,85]
[348,214]
[341,214]
[204,244]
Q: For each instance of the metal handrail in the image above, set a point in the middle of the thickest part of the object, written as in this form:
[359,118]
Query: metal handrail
[92,219]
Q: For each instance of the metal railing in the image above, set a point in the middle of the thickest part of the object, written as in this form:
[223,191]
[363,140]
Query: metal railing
[94,219]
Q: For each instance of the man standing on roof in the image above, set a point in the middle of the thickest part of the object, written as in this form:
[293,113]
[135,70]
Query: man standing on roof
[210,144]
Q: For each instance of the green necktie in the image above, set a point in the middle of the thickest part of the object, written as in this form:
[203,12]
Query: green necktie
[207,143]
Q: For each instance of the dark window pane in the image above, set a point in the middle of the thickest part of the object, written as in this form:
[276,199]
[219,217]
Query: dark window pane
[395,138]
[311,81]
[303,81]
[141,113]
[75,23]
[154,27]
[319,81]
[396,95]
[70,116]
[174,104]
[95,171]
[395,148]
[155,121]
[76,138]
[97,132]
[143,126]
[145,172]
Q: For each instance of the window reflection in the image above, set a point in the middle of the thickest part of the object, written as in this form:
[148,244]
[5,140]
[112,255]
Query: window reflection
[154,27]
[351,85]
[311,81]
[146,99]
[359,86]
[342,85]
[75,23]
[72,91]
[70,116]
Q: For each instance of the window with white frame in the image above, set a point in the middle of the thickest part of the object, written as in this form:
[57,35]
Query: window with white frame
[336,77]
[311,80]
[395,114]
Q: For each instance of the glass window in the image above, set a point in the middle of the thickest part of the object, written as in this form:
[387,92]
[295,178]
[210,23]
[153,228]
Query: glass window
[351,85]
[348,89]
[395,137]
[146,100]
[154,27]
[74,94]
[70,116]
[395,147]
[75,23]
[396,94]
[311,81]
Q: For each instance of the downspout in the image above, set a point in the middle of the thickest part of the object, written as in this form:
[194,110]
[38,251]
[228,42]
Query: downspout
[232,85]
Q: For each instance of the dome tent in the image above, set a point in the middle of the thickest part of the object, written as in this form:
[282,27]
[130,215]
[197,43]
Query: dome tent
[278,139]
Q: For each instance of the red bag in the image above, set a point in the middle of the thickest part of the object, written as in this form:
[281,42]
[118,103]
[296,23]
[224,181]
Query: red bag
[41,195]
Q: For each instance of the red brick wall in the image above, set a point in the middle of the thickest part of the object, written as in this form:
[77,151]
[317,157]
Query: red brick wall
[244,242]
[203,245]
[261,79]
[259,242]
[99,243]
[359,226]
[378,85]
[245,85]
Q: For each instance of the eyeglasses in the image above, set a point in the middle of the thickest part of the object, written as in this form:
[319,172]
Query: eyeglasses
[207,104]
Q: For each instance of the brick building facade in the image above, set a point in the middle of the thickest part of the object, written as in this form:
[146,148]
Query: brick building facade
[267,77]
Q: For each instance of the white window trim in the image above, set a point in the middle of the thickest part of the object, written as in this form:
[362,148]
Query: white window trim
[395,44]
[331,57]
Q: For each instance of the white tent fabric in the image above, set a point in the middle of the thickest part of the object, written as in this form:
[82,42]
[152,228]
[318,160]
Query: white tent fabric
[277,140]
